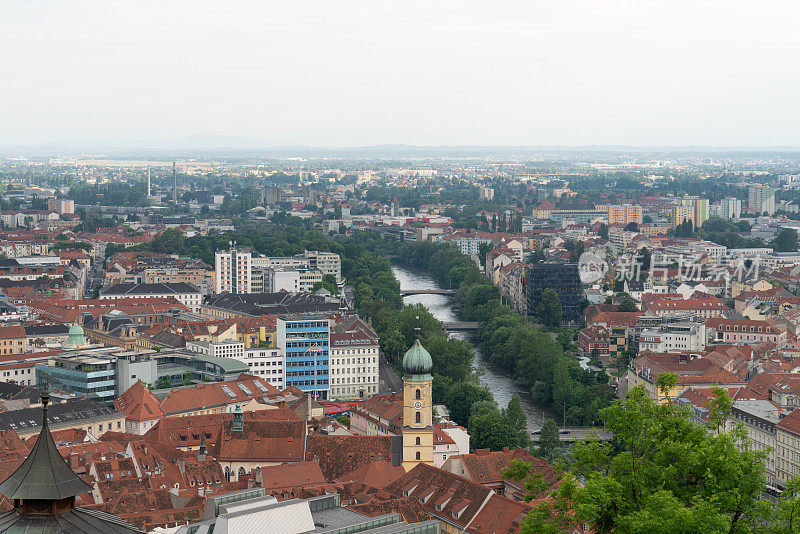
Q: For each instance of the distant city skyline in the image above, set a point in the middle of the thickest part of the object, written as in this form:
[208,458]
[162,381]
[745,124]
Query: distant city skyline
[325,74]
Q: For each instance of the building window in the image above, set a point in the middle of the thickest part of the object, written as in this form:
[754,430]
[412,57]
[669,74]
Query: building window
[418,441]
[419,418]
[419,456]
[419,395]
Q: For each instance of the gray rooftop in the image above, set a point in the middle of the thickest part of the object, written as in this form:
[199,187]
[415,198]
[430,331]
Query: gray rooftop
[44,475]
[762,409]
[72,411]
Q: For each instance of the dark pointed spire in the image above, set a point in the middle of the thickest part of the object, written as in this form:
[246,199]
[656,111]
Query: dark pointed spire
[44,475]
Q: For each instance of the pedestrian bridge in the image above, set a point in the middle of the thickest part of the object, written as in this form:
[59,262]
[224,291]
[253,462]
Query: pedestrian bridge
[461,326]
[572,434]
[409,292]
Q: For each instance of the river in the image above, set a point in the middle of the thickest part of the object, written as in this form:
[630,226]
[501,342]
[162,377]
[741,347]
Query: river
[501,386]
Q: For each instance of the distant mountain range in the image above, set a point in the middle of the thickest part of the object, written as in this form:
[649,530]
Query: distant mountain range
[205,144]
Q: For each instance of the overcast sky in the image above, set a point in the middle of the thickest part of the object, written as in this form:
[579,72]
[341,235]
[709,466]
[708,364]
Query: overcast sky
[345,73]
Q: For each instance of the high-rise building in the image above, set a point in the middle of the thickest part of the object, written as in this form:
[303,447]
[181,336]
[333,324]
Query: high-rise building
[305,340]
[233,271]
[692,209]
[61,206]
[174,183]
[681,214]
[761,199]
[730,208]
[624,214]
[417,407]
[564,279]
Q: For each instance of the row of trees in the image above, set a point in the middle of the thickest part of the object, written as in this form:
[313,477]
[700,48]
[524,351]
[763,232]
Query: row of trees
[512,342]
[377,298]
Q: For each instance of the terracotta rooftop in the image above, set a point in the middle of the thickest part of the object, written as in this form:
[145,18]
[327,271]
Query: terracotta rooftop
[340,455]
[138,403]
[375,474]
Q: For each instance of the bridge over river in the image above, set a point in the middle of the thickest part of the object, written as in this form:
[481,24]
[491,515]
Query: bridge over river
[409,292]
[461,326]
[572,434]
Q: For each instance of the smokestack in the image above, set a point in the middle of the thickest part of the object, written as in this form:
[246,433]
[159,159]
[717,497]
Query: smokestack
[174,184]
[148,181]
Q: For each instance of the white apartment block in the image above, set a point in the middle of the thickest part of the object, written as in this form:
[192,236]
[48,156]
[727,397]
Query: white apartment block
[268,364]
[326,263]
[218,349]
[281,279]
[469,245]
[676,337]
[233,272]
[354,354]
[730,208]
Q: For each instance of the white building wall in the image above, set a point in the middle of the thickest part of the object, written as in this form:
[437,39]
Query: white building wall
[354,369]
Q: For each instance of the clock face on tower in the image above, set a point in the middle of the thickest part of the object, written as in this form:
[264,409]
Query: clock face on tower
[418,404]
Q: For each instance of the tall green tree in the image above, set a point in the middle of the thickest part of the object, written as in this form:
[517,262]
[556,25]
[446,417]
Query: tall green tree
[515,417]
[549,310]
[669,474]
[460,399]
[548,438]
[785,241]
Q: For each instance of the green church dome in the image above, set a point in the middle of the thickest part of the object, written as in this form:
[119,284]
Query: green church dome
[417,363]
[75,336]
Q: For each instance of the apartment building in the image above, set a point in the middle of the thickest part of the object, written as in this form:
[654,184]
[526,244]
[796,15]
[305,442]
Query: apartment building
[692,209]
[759,418]
[761,199]
[324,262]
[186,294]
[198,277]
[743,331]
[674,337]
[218,349]
[730,208]
[787,452]
[277,279]
[61,206]
[624,214]
[354,360]
[269,364]
[233,271]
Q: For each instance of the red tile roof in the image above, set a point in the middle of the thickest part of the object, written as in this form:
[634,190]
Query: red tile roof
[339,455]
[138,403]
[375,474]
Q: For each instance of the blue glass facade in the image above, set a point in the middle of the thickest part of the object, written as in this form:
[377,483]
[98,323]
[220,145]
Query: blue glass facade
[306,342]
[92,380]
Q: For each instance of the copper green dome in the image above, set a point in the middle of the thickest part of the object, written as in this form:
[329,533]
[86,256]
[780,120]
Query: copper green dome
[75,337]
[417,363]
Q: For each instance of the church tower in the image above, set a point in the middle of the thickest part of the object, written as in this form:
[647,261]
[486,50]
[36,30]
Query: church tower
[417,407]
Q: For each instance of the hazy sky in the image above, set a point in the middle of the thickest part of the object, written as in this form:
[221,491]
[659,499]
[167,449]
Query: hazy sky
[343,73]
